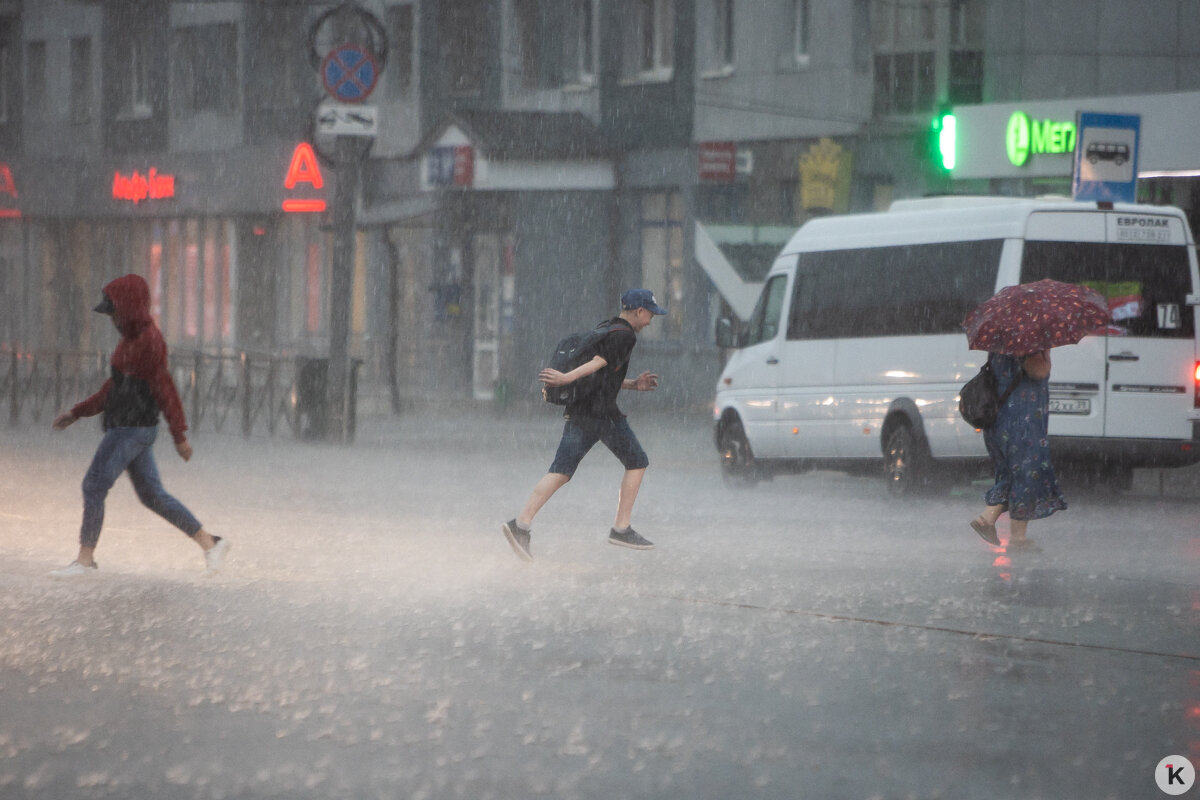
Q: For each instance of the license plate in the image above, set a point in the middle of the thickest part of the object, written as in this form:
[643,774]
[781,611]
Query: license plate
[1070,405]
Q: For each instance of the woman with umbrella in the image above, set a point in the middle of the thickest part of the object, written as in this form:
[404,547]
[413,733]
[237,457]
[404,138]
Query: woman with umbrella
[1017,327]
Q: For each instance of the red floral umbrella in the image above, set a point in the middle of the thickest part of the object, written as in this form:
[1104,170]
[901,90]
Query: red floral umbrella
[1031,317]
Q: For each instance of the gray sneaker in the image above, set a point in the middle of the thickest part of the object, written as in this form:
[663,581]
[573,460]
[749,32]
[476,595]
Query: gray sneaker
[629,538]
[518,539]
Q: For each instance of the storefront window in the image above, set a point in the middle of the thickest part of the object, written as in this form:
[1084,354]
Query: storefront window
[154,274]
[191,280]
[189,265]
[304,282]
[173,280]
[662,259]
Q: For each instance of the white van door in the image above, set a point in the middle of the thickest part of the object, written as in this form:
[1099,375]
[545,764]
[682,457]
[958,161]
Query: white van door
[752,376]
[1151,352]
[1132,379]
[807,396]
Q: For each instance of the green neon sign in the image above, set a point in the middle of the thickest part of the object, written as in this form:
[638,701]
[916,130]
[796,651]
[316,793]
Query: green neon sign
[1026,137]
[945,129]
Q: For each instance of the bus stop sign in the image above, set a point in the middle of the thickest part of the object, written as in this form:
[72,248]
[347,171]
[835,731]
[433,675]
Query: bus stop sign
[349,73]
[1106,157]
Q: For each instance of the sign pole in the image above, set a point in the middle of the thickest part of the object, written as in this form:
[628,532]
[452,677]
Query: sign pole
[349,73]
[340,287]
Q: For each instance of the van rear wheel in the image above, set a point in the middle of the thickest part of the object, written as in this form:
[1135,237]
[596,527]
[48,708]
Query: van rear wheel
[905,463]
[738,468]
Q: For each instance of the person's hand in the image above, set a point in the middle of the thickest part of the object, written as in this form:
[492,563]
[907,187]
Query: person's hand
[1037,366]
[552,377]
[646,382]
[63,421]
[184,449]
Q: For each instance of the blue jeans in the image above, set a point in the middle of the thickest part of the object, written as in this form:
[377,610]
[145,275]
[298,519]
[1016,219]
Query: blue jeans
[581,433]
[121,450]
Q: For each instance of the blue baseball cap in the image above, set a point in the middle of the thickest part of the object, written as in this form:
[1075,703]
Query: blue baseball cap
[641,298]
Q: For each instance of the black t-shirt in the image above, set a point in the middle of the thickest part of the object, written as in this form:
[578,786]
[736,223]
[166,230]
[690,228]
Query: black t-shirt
[615,348]
[130,403]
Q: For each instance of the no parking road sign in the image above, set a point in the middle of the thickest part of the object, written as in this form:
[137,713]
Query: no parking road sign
[349,73]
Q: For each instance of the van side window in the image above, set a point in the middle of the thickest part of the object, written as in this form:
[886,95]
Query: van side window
[1146,284]
[892,291]
[804,305]
[764,322]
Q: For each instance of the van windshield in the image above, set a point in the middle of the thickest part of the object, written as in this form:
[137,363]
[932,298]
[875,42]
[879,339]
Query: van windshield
[1146,285]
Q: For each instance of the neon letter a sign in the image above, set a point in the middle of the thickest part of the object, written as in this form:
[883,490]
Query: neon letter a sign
[303,169]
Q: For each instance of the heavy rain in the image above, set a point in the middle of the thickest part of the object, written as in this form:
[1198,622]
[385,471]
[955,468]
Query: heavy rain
[359,231]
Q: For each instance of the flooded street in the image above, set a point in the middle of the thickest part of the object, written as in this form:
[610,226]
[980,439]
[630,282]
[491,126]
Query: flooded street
[372,635]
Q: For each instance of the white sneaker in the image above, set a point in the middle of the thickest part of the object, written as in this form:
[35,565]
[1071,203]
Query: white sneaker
[214,557]
[74,570]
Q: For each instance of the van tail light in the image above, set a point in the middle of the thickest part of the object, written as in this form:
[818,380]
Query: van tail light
[1196,386]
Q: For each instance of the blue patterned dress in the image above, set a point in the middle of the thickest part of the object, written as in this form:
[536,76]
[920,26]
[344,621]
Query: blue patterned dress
[1025,483]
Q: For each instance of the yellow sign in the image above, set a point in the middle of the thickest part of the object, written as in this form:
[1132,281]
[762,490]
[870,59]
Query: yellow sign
[825,177]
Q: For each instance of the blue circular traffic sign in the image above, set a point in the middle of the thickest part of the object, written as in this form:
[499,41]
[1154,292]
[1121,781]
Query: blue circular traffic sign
[349,73]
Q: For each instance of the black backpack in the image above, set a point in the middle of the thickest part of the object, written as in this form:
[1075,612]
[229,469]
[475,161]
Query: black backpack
[979,402]
[576,349]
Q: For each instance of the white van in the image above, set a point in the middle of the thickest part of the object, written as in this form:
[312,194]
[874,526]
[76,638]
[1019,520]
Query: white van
[855,349]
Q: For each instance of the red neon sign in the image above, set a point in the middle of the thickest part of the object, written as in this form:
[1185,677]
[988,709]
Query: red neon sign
[8,186]
[137,187]
[303,169]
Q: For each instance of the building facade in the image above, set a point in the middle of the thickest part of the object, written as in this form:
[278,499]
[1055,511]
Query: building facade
[530,159]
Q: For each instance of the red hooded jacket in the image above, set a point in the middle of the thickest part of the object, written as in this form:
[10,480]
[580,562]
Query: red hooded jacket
[141,385]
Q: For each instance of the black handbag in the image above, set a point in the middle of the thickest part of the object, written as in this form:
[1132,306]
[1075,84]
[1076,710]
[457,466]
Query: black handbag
[979,402]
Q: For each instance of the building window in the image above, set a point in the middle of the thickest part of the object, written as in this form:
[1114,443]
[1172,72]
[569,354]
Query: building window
[463,46]
[290,74]
[137,96]
[649,39]
[6,76]
[904,83]
[400,50]
[206,68]
[966,23]
[582,47]
[662,259]
[926,52]
[800,31]
[965,83]
[903,36]
[35,78]
[966,77]
[722,38]
[81,79]
[525,22]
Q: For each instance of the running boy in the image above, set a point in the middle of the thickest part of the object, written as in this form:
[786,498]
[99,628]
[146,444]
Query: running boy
[596,418]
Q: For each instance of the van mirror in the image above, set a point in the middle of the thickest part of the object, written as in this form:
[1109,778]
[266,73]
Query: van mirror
[724,333]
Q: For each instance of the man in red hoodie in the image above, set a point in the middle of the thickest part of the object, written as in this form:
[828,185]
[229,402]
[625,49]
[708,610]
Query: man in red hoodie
[140,388]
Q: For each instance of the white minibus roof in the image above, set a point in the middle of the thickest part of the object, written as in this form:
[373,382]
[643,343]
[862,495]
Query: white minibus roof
[945,219]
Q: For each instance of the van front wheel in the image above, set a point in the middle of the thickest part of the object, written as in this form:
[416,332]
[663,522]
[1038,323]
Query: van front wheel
[903,462]
[738,468]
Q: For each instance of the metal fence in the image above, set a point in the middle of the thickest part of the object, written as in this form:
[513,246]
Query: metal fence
[219,392]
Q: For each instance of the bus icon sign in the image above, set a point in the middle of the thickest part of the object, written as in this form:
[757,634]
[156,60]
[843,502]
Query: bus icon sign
[1106,147]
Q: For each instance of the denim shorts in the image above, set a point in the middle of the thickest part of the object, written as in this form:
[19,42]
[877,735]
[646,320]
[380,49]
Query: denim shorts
[580,433]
